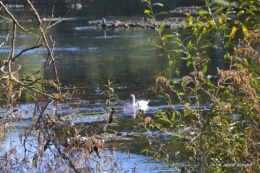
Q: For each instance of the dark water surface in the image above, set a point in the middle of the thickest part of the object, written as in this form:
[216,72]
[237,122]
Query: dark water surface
[88,58]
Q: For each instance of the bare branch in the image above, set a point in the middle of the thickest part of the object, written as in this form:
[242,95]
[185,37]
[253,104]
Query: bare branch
[14,19]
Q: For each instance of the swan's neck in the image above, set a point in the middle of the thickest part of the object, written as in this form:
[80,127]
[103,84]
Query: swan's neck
[133,101]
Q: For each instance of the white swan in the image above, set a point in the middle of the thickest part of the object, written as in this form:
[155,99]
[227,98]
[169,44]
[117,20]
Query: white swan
[140,103]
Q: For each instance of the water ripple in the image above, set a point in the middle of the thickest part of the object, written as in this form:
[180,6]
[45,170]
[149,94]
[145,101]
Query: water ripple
[120,36]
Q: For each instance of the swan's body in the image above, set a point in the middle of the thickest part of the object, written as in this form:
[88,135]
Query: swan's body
[140,103]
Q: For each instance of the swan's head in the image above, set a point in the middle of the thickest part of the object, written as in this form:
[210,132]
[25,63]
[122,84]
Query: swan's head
[132,96]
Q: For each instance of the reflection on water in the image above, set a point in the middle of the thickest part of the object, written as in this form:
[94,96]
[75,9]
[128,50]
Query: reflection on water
[88,57]
[126,162]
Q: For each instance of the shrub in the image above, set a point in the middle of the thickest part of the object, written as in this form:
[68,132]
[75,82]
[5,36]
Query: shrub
[223,135]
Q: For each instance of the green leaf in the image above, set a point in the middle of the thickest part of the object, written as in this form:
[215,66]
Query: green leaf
[189,63]
[218,10]
[160,55]
[204,67]
[206,45]
[148,12]
[193,73]
[161,27]
[200,86]
[236,22]
[240,12]
[158,46]
[173,116]
[181,93]
[145,150]
[176,42]
[190,18]
[207,2]
[187,113]
[199,37]
[223,26]
[177,51]
[190,45]
[203,12]
[164,39]
[175,82]
[161,13]
[160,96]
[177,72]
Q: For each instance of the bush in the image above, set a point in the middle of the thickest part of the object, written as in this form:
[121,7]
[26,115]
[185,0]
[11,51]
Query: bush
[49,143]
[223,135]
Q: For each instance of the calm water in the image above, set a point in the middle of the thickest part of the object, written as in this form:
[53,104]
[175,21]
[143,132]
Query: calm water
[88,58]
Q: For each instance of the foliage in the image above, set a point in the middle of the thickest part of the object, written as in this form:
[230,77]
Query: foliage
[222,136]
[50,142]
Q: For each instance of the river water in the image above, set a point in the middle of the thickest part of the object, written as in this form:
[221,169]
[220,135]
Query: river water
[89,57]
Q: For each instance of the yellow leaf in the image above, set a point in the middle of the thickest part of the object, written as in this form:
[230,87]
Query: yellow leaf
[200,24]
[245,31]
[220,19]
[190,19]
[233,32]
[212,23]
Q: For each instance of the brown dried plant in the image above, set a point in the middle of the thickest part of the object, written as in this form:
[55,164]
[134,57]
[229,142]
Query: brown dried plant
[225,131]
[58,145]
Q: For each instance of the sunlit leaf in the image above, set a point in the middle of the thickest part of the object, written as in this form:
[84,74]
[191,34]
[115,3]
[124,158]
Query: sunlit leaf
[221,19]
[205,29]
[158,46]
[222,26]
[199,24]
[245,31]
[233,32]
[190,45]
[161,27]
[190,18]
[205,66]
[148,12]
[176,82]
[206,45]
[218,10]
[203,12]
[145,150]
[212,22]
[181,93]
[161,13]
[173,116]
[240,12]
[178,51]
